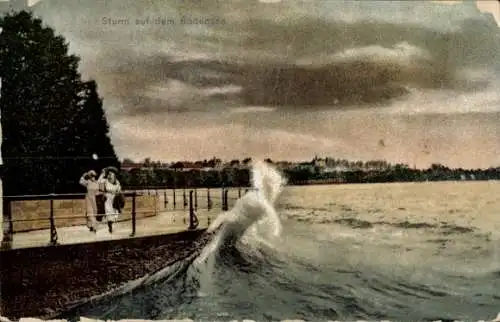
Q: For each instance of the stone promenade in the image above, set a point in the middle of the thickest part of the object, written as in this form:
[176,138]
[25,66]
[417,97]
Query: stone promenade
[165,222]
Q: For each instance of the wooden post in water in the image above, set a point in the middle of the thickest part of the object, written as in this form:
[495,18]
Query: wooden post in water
[165,200]
[185,198]
[175,202]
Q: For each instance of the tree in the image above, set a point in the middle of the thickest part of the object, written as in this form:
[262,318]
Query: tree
[214,162]
[91,125]
[177,165]
[52,122]
[246,161]
[128,162]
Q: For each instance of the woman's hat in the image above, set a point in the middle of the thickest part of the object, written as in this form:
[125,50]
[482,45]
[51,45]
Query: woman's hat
[92,173]
[111,169]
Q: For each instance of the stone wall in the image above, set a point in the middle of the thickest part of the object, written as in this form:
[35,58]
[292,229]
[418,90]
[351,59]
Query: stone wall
[45,281]
[31,215]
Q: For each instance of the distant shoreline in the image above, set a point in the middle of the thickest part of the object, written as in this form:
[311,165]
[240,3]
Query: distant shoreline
[335,183]
[301,184]
[238,174]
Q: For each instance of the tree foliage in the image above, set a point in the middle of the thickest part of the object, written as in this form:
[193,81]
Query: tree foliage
[52,121]
[235,175]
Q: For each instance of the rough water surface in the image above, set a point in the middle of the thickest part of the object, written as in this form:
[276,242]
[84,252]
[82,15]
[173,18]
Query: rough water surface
[401,252]
[405,252]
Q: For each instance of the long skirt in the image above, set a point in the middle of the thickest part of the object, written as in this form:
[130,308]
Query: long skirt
[111,212]
[101,210]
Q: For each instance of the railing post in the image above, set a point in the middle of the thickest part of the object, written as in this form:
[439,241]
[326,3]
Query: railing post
[134,214]
[9,230]
[53,230]
[165,200]
[11,222]
[196,199]
[239,192]
[175,202]
[193,220]
[223,192]
[209,201]
[184,198]
[226,206]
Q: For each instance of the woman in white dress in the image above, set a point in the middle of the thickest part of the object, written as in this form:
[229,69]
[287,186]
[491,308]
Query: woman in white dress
[111,187]
[89,181]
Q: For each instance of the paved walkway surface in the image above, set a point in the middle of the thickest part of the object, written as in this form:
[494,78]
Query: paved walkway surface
[169,220]
[166,222]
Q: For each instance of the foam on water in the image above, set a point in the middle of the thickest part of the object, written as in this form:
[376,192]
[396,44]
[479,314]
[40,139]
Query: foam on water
[253,213]
[252,219]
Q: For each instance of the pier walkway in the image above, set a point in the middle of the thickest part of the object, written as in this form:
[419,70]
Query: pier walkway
[172,214]
[163,223]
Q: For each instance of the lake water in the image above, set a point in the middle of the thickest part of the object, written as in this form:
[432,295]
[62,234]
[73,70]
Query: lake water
[403,252]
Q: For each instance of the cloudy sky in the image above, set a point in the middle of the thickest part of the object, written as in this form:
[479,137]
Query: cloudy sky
[411,81]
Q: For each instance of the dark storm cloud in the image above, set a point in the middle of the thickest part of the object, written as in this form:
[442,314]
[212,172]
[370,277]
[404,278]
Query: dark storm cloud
[376,61]
[339,85]
[274,80]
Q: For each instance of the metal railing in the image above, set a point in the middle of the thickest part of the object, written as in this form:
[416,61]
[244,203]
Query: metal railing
[190,199]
